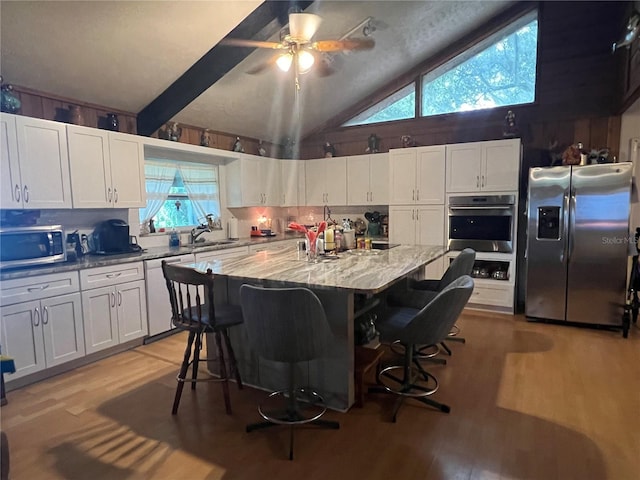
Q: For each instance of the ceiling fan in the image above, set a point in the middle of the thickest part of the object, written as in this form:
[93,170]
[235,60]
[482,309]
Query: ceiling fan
[298,49]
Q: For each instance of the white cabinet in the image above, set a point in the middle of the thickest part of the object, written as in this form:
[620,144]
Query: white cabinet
[292,183]
[34,164]
[47,329]
[253,181]
[114,305]
[107,169]
[416,175]
[367,179]
[158,305]
[417,225]
[326,181]
[492,166]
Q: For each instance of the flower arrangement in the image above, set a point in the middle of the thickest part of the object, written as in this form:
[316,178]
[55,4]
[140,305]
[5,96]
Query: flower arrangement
[311,236]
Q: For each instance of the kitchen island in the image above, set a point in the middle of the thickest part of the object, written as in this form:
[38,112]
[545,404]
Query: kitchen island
[337,283]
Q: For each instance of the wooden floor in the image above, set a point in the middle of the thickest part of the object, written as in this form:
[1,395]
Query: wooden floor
[528,401]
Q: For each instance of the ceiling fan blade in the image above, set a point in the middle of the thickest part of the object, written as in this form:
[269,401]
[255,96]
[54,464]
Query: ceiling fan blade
[303,26]
[346,44]
[240,42]
[263,66]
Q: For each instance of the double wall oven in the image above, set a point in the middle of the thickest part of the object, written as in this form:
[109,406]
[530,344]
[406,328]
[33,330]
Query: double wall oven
[482,222]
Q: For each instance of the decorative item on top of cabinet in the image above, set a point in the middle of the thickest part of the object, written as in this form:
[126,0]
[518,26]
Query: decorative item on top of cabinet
[510,129]
[75,115]
[329,149]
[10,103]
[261,150]
[237,146]
[373,144]
[407,141]
[113,123]
[205,138]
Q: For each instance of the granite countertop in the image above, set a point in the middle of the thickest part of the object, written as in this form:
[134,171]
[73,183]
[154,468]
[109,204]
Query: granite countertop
[91,261]
[368,271]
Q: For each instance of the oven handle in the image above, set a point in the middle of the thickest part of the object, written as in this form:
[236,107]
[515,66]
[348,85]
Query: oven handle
[476,207]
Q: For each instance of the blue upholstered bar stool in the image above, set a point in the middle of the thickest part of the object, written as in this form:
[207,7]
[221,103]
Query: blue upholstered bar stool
[419,293]
[411,327]
[288,325]
[193,310]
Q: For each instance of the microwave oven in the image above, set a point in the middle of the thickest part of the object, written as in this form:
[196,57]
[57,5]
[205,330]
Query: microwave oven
[31,246]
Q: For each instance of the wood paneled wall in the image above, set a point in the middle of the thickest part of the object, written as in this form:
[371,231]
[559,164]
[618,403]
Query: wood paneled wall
[52,107]
[578,92]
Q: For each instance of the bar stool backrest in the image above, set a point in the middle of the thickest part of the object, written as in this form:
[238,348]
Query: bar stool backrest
[191,296]
[461,265]
[285,324]
[431,325]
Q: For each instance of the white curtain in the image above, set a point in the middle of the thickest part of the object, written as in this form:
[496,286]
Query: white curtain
[159,176]
[201,183]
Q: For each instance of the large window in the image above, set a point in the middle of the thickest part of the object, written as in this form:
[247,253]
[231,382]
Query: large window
[502,74]
[398,106]
[180,194]
[497,72]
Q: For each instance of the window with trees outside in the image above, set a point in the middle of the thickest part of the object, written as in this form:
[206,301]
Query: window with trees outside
[497,72]
[180,194]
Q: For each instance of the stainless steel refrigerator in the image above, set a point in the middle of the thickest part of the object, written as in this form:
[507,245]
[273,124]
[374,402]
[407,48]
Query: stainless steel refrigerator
[578,243]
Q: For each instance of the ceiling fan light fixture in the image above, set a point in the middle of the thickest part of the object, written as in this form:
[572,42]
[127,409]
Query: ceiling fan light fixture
[305,61]
[303,26]
[284,61]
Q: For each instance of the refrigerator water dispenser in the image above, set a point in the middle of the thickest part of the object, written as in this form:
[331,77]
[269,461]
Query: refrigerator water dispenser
[549,223]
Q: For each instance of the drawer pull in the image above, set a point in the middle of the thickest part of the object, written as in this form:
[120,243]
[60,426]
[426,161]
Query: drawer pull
[114,275]
[37,289]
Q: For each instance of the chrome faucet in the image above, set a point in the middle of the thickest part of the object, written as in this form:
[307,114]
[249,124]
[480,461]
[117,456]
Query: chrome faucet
[196,232]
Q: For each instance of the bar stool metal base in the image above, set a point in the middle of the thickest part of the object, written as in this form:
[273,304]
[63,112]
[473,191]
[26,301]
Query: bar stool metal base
[304,407]
[415,383]
[422,352]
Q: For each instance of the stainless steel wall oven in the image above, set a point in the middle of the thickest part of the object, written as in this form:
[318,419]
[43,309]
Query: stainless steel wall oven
[482,222]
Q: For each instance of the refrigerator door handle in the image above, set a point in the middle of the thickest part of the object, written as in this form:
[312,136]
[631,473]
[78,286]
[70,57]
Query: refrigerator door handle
[572,223]
[565,226]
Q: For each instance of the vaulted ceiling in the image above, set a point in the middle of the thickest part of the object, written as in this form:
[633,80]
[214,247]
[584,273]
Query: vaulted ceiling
[131,55]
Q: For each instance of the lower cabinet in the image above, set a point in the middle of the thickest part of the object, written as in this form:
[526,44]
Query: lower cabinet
[46,330]
[114,312]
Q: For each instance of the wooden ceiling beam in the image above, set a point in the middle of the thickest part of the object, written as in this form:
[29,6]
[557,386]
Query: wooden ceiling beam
[261,24]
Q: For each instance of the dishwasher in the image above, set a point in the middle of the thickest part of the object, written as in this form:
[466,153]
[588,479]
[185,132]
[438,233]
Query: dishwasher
[158,306]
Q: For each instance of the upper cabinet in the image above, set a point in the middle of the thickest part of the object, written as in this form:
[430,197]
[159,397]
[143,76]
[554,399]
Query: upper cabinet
[326,181]
[416,175]
[492,166]
[253,181]
[292,183]
[34,164]
[107,168]
[367,182]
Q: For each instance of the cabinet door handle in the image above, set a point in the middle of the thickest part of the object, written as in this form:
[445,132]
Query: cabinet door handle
[477,181]
[45,315]
[37,289]
[25,194]
[115,195]
[36,317]
[417,215]
[417,195]
[113,299]
[109,195]
[17,193]
[483,181]
[119,298]
[413,195]
[413,214]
